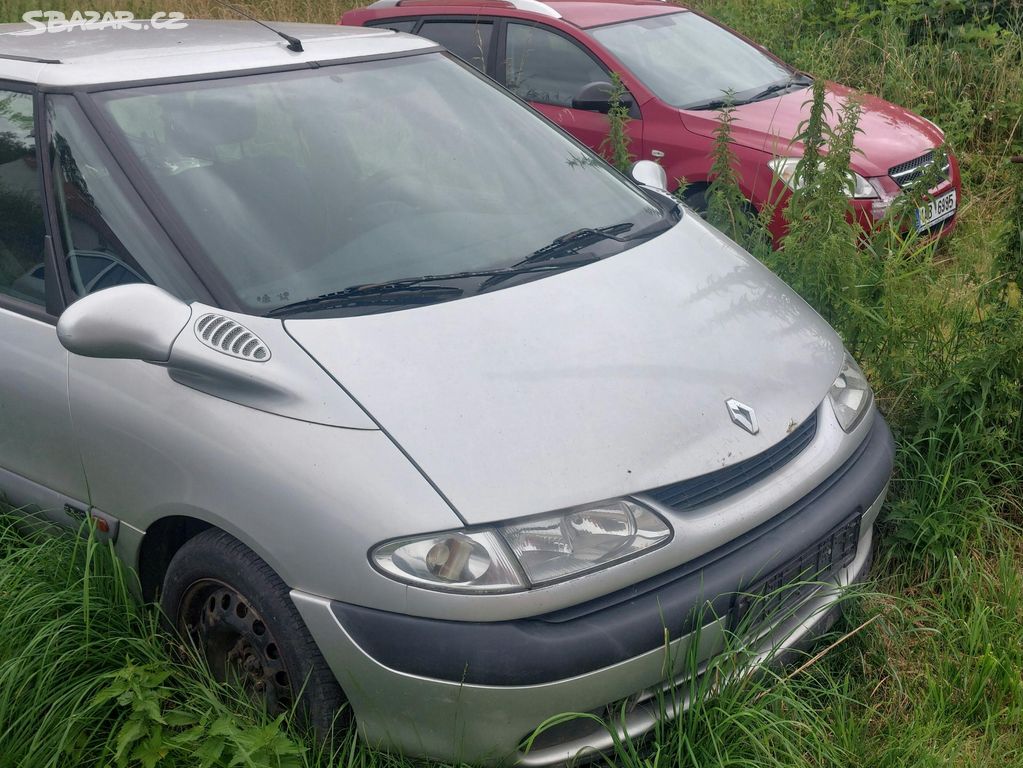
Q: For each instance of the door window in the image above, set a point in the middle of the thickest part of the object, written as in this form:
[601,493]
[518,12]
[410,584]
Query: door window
[468,40]
[22,229]
[108,238]
[395,25]
[546,67]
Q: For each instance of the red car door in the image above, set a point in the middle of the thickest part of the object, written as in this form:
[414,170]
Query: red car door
[548,68]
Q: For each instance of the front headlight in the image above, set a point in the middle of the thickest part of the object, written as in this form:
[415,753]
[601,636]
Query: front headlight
[555,547]
[850,394]
[462,561]
[524,553]
[785,169]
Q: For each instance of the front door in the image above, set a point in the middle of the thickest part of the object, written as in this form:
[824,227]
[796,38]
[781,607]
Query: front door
[548,69]
[40,465]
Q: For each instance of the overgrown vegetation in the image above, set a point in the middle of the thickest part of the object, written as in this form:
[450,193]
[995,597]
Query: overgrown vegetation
[929,670]
[727,209]
[88,678]
[615,146]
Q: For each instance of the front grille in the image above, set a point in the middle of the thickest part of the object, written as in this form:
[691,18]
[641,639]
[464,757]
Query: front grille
[724,482]
[786,587]
[906,173]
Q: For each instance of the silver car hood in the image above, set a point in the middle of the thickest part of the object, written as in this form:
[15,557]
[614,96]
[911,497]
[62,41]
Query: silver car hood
[604,380]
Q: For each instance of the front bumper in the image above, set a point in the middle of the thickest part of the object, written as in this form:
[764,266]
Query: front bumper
[472,691]
[869,213]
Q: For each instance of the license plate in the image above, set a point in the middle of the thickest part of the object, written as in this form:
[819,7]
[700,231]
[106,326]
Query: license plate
[791,583]
[937,210]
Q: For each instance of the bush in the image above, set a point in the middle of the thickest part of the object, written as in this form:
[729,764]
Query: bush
[942,342]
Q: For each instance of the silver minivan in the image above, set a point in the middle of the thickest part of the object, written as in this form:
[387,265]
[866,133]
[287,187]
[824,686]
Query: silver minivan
[394,394]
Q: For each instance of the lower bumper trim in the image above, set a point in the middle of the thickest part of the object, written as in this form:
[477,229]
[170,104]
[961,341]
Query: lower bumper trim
[784,644]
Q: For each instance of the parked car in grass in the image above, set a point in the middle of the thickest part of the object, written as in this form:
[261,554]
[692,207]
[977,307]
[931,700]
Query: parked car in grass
[678,67]
[392,393]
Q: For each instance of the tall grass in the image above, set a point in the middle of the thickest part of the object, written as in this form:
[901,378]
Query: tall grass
[88,678]
[930,666]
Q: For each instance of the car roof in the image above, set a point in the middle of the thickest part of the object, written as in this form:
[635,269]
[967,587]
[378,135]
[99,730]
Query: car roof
[112,53]
[593,13]
[581,13]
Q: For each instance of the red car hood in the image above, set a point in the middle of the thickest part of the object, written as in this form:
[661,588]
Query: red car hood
[889,134]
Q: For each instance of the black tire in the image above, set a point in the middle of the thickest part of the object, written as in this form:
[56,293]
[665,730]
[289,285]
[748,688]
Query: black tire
[695,196]
[220,594]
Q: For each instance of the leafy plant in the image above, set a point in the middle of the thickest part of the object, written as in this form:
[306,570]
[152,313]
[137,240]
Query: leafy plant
[615,146]
[727,207]
[87,677]
[820,255]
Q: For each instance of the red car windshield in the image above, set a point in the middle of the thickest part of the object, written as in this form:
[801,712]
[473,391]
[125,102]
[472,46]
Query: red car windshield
[690,62]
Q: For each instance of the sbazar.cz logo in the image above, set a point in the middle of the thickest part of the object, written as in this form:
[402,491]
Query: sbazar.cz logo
[57,21]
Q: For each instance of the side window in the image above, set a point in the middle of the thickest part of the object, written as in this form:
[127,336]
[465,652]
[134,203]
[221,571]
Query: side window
[468,40]
[546,67]
[22,270]
[396,25]
[108,238]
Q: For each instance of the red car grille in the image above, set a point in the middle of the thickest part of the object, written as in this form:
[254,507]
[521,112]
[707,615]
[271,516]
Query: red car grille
[906,173]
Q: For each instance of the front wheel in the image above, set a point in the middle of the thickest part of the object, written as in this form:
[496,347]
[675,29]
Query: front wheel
[236,610]
[695,196]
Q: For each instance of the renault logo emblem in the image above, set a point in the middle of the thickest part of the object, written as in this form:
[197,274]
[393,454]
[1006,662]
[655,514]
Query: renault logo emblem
[743,415]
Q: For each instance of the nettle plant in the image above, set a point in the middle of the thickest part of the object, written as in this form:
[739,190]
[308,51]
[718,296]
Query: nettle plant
[820,254]
[727,207]
[942,341]
[615,146]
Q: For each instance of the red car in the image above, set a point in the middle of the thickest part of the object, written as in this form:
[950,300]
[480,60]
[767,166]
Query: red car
[677,65]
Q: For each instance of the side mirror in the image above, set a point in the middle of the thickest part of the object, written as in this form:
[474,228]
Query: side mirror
[647,173]
[596,97]
[130,322]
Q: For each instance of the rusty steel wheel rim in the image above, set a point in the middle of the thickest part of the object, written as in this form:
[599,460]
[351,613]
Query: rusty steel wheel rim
[237,643]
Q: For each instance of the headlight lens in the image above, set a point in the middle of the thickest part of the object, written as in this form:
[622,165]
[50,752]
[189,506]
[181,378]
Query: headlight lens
[464,561]
[785,169]
[558,546]
[524,553]
[850,395]
[861,188]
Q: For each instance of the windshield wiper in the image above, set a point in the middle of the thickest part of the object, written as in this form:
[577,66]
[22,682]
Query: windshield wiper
[800,80]
[712,104]
[419,290]
[796,79]
[768,91]
[573,241]
[525,268]
[543,259]
[413,290]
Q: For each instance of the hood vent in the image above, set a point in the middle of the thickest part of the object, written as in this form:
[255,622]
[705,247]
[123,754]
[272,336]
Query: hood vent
[230,337]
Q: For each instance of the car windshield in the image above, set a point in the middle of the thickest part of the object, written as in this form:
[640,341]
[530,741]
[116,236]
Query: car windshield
[690,62]
[299,185]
